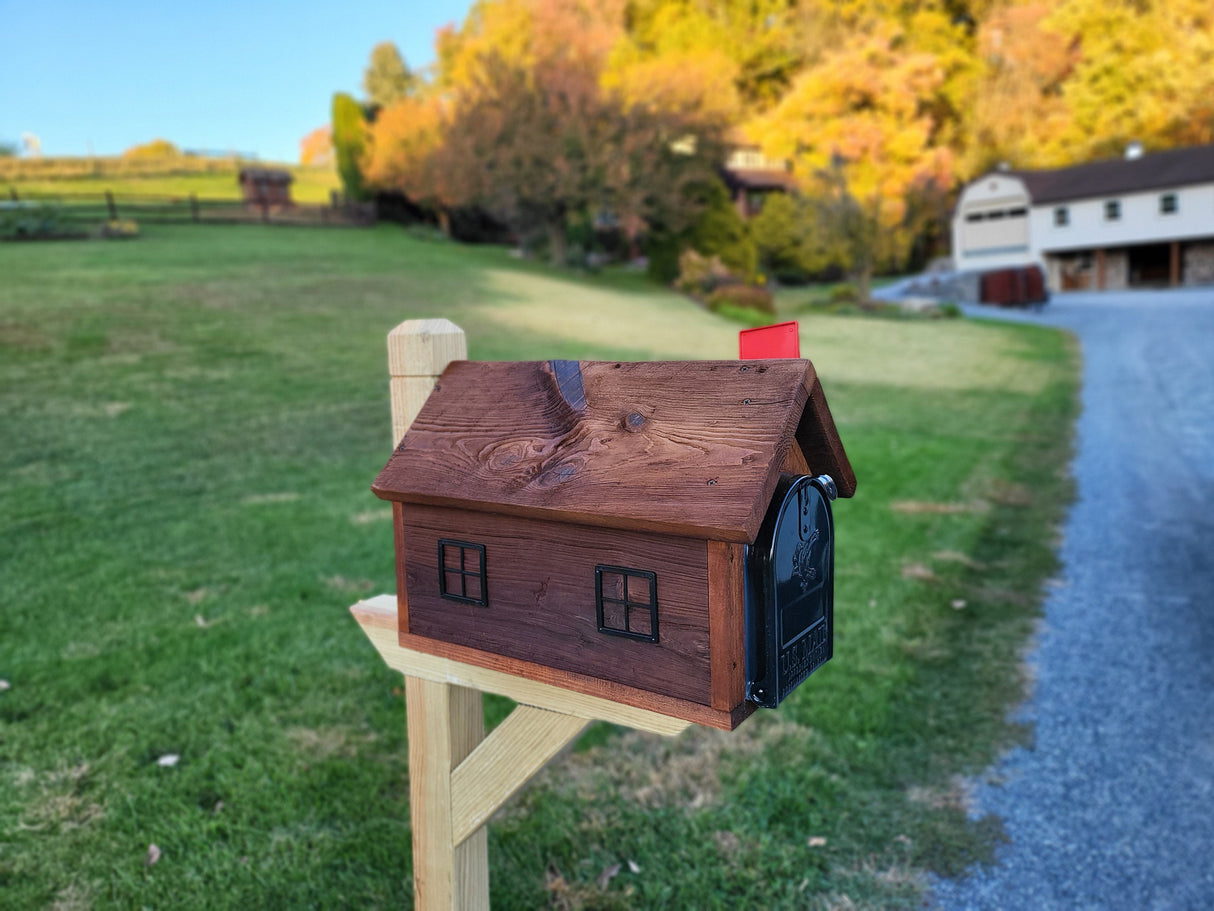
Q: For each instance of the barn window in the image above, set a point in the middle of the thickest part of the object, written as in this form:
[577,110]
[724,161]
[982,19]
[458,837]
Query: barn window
[1062,217]
[1168,204]
[626,602]
[1112,210]
[461,572]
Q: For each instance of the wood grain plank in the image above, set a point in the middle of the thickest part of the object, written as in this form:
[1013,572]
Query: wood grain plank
[686,448]
[424,347]
[819,440]
[540,579]
[530,684]
[402,592]
[408,395]
[518,748]
[445,722]
[794,462]
[727,623]
[445,875]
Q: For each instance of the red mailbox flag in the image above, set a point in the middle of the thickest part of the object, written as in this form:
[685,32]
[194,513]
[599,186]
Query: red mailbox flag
[780,340]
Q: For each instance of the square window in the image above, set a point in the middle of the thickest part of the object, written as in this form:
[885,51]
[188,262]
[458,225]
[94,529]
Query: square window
[1062,217]
[615,615]
[626,602]
[639,589]
[611,585]
[461,572]
[640,623]
[1112,210]
[1169,204]
[472,588]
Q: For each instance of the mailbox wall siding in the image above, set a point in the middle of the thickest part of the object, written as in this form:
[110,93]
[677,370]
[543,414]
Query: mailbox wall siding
[540,581]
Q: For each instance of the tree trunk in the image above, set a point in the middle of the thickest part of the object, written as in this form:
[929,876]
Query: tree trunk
[557,245]
[444,222]
[864,283]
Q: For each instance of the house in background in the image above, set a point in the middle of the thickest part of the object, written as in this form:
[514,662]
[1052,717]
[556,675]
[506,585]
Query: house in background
[751,176]
[1139,221]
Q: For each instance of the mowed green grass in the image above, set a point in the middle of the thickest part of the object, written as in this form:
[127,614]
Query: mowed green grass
[190,425]
[311,185]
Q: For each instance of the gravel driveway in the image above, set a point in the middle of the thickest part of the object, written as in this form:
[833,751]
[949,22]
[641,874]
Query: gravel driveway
[1113,805]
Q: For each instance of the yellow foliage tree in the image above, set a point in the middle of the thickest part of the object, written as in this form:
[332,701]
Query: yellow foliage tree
[316,148]
[1145,72]
[157,148]
[401,150]
[865,131]
[1017,103]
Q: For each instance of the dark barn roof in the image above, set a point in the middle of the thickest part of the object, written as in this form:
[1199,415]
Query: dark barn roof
[758,179]
[1157,171]
[692,448]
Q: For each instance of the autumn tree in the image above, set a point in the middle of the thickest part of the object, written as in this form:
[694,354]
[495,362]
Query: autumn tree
[403,153]
[157,148]
[316,148]
[738,56]
[387,77]
[1017,102]
[873,116]
[1145,71]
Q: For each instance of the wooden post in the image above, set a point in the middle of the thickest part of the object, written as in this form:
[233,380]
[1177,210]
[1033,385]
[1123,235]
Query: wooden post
[1100,270]
[458,777]
[418,351]
[1174,270]
[446,722]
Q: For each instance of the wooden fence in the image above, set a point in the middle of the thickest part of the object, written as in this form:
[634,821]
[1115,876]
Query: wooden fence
[86,210]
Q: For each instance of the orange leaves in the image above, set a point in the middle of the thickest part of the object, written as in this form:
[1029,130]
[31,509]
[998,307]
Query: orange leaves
[316,148]
[401,152]
[872,103]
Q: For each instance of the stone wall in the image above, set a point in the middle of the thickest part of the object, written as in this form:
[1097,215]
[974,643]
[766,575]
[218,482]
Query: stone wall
[1199,264]
[1116,270]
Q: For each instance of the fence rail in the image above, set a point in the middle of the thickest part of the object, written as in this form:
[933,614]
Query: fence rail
[78,209]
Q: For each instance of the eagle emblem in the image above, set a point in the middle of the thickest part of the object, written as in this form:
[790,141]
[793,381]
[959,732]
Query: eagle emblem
[802,567]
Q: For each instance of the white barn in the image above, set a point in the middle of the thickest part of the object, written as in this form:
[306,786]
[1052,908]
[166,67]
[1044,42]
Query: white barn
[1139,221]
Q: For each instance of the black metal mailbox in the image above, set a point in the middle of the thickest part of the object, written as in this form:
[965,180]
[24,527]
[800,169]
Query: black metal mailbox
[790,590]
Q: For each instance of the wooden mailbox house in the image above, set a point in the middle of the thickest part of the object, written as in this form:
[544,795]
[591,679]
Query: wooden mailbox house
[587,524]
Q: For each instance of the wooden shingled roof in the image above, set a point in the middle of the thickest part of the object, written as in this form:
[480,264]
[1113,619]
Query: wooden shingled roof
[690,448]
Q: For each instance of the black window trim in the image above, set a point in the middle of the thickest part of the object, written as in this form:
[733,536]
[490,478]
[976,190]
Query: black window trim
[629,606]
[463,572]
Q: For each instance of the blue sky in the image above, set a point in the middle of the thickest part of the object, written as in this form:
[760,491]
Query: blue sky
[251,77]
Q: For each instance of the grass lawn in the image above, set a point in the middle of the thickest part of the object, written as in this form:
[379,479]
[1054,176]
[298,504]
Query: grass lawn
[311,185]
[191,422]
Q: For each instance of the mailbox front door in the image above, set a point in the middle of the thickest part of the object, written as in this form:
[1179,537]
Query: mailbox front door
[790,590]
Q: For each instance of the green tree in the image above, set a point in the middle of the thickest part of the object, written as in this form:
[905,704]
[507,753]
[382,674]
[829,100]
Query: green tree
[349,142]
[387,77]
[792,239]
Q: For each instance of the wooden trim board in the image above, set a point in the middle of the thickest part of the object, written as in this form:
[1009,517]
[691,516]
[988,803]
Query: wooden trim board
[377,617]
